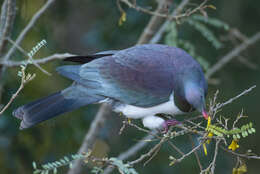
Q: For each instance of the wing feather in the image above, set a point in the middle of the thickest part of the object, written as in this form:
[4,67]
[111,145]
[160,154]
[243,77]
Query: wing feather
[139,76]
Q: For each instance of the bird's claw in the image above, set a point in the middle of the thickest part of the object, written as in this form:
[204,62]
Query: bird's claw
[168,123]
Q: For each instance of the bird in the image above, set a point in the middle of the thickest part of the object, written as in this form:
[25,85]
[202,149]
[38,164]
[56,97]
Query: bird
[140,82]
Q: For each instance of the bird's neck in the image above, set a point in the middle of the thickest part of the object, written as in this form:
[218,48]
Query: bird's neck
[180,99]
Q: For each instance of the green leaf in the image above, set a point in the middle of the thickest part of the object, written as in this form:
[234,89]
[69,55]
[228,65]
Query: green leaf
[55,171]
[211,21]
[70,165]
[206,32]
[34,165]
[171,37]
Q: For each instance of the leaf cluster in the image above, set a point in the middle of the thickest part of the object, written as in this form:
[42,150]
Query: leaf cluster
[202,24]
[245,130]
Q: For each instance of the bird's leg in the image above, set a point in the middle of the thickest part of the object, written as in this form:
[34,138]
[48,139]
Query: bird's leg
[168,123]
[153,122]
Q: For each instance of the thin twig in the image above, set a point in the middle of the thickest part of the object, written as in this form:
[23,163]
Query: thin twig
[6,24]
[232,54]
[151,151]
[156,38]
[175,147]
[248,156]
[154,23]
[24,79]
[26,30]
[153,155]
[218,106]
[132,150]
[195,153]
[188,13]
[37,61]
[212,165]
[7,20]
[29,57]
[241,115]
[190,152]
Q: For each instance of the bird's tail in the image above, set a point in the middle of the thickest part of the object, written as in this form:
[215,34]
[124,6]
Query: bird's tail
[48,107]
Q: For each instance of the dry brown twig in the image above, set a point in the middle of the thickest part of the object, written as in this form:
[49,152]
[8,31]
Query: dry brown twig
[25,78]
[190,130]
[188,13]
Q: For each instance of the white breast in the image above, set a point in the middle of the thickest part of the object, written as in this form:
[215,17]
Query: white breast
[131,111]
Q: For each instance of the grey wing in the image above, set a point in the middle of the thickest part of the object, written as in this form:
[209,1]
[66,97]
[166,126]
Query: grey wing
[137,76]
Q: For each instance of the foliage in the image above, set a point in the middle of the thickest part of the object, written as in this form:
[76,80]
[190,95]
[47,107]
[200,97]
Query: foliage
[86,157]
[123,168]
[198,22]
[245,130]
[53,166]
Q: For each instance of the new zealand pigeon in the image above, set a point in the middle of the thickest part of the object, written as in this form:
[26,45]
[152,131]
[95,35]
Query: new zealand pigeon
[140,82]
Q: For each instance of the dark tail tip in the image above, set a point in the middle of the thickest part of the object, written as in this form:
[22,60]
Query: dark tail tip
[47,108]
[40,110]
[20,114]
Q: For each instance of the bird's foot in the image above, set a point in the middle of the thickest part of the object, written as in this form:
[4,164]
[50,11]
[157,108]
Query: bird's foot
[168,123]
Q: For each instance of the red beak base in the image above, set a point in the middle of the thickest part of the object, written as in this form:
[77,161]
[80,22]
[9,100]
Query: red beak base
[205,115]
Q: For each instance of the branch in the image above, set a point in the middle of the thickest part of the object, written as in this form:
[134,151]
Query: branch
[212,165]
[43,60]
[188,13]
[189,153]
[6,22]
[27,29]
[232,54]
[132,151]
[90,138]
[248,156]
[154,23]
[24,79]
[20,38]
[151,151]
[156,38]
[218,106]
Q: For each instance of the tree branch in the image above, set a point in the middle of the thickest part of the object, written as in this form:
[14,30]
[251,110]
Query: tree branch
[25,78]
[232,54]
[6,22]
[26,30]
[188,13]
[156,38]
[154,23]
[43,60]
[20,38]
[131,151]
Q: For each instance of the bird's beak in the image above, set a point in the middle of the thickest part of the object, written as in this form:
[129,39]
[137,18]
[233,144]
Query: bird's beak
[205,114]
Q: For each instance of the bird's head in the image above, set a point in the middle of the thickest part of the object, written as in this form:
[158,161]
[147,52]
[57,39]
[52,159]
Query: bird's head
[195,95]
[191,90]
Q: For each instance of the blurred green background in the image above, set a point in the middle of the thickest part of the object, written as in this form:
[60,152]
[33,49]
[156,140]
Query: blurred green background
[87,26]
